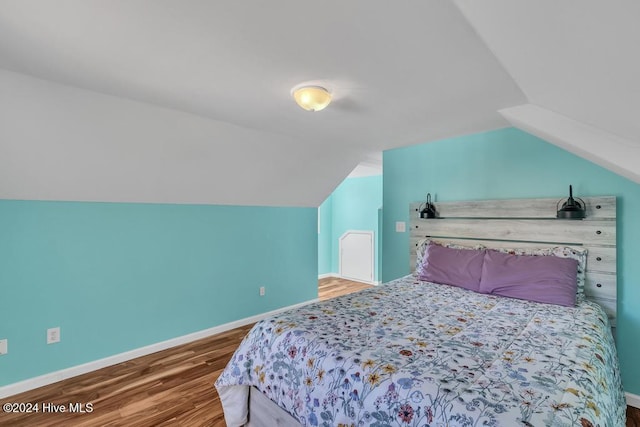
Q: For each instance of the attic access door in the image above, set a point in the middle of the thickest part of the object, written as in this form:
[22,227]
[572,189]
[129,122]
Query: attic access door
[356,256]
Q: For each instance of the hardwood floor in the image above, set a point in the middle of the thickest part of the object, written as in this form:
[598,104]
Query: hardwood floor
[633,417]
[332,287]
[169,388]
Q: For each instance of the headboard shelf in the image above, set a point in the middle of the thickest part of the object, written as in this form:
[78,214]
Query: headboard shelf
[597,208]
[531,223]
[585,232]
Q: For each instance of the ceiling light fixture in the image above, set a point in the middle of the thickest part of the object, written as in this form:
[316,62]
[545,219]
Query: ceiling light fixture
[311,98]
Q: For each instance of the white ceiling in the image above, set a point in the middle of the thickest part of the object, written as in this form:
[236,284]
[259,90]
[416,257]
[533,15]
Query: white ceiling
[578,63]
[401,73]
[579,58]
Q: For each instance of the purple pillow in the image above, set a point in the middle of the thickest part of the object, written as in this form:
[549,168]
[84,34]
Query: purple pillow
[457,267]
[546,279]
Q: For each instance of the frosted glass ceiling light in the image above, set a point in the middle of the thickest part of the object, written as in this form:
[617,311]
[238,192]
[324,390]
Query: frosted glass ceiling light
[312,98]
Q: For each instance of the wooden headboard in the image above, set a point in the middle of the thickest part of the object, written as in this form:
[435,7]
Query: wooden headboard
[531,223]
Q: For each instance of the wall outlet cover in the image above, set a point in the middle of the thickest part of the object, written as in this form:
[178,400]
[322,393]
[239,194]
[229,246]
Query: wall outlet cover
[53,335]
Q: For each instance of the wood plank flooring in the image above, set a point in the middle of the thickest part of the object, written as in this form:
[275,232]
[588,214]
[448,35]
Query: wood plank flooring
[633,417]
[332,287]
[169,388]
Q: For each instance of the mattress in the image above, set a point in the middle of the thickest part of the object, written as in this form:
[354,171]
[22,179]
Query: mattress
[417,353]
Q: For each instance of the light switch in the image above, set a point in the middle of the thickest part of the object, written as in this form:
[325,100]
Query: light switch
[4,347]
[401,227]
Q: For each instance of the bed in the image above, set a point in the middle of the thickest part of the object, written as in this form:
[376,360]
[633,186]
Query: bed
[417,353]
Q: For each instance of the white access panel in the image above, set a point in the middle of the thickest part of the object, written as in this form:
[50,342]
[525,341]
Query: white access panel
[357,255]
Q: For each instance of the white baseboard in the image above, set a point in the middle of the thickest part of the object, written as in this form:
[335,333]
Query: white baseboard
[337,276]
[633,400]
[53,377]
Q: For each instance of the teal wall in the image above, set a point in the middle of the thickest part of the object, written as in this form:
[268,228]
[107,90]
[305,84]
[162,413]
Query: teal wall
[325,215]
[117,276]
[509,163]
[353,205]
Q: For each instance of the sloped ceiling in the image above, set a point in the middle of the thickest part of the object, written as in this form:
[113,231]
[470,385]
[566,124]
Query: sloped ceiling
[189,101]
[401,73]
[577,62]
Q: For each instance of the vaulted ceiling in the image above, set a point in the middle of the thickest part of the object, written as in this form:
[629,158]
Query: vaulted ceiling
[189,101]
[577,63]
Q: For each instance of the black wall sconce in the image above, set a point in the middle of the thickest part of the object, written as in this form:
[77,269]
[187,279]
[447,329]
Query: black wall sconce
[427,209]
[571,208]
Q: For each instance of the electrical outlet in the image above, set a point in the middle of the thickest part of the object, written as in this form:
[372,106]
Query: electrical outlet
[262,290]
[53,335]
[4,347]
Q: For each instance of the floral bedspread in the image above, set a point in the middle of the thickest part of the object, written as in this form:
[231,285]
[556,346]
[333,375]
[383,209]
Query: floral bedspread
[411,353]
